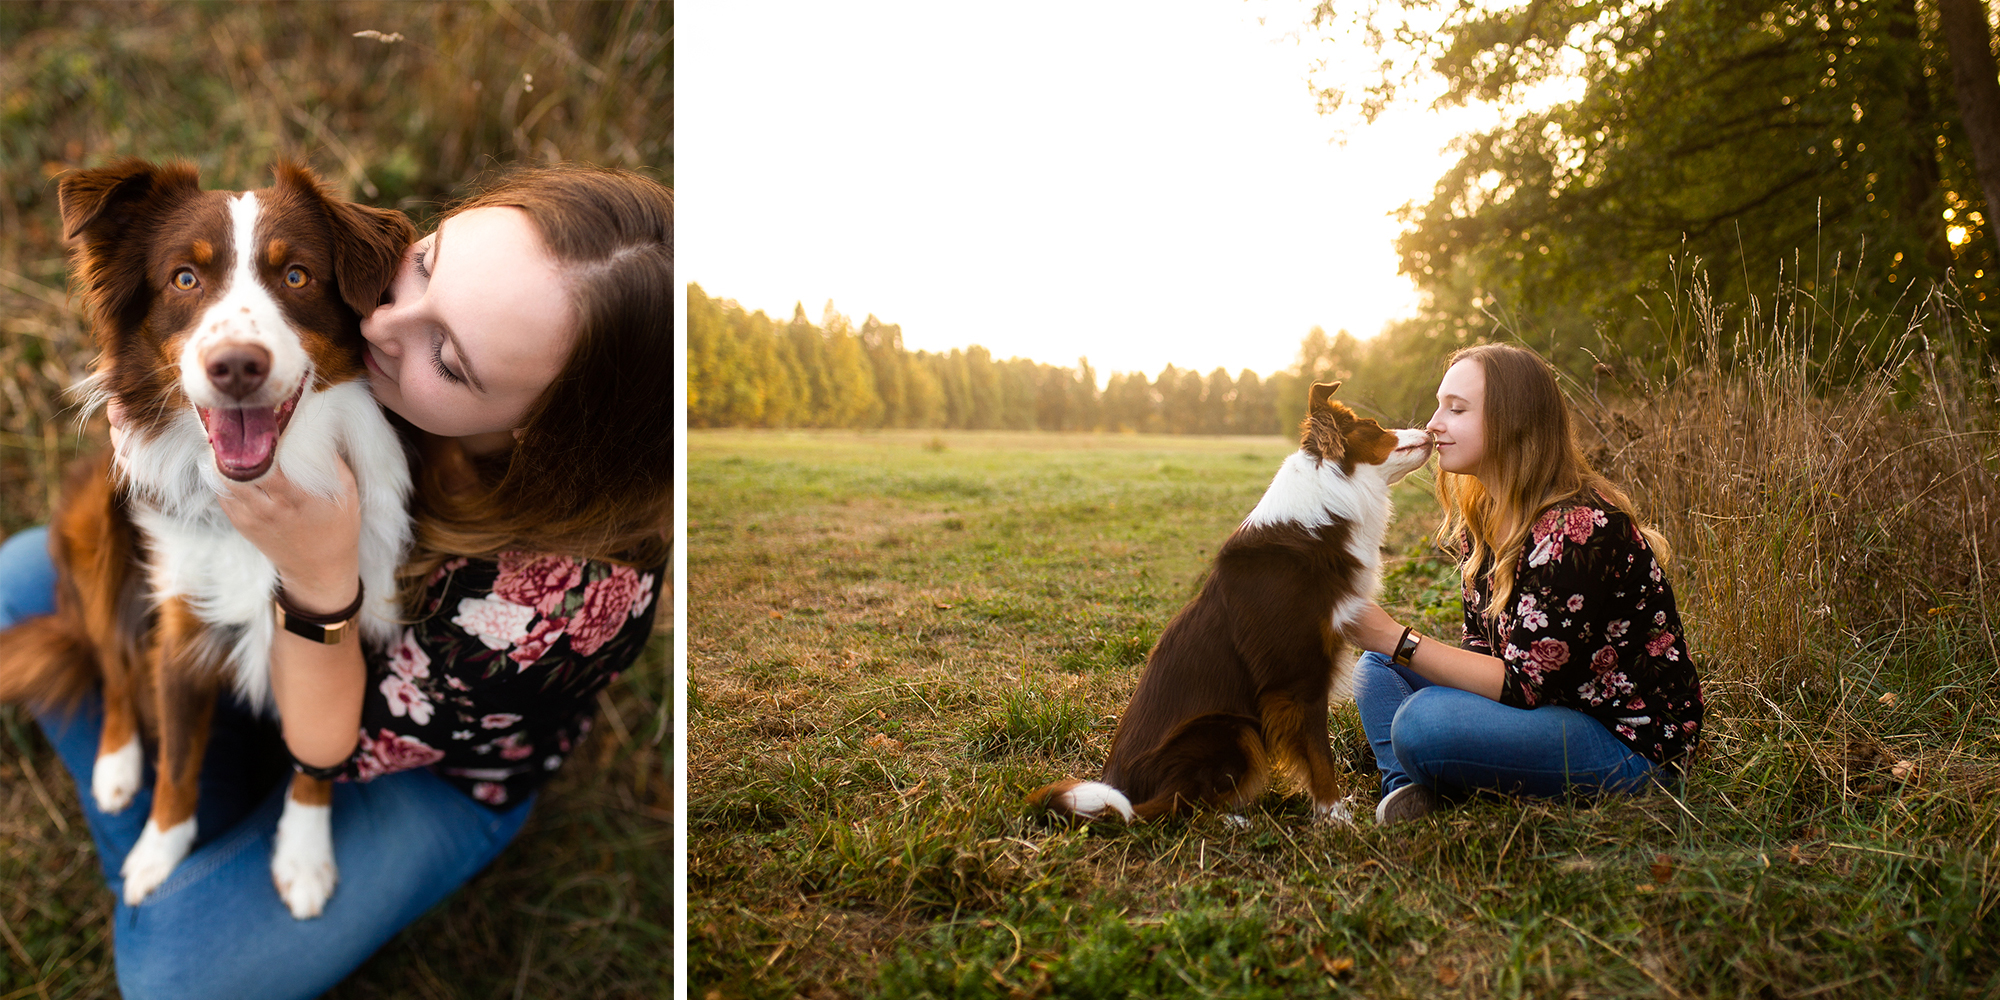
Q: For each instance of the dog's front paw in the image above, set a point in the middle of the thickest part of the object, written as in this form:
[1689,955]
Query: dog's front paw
[115,777]
[302,864]
[1340,813]
[155,857]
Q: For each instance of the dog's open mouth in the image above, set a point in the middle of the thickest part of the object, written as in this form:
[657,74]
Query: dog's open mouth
[245,439]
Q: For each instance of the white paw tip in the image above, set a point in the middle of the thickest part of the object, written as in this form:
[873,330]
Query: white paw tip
[155,857]
[1341,812]
[302,866]
[115,778]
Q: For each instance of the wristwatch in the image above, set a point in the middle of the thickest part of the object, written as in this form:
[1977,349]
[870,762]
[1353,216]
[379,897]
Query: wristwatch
[1406,647]
[326,629]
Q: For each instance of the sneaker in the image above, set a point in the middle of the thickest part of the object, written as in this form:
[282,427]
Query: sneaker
[1405,803]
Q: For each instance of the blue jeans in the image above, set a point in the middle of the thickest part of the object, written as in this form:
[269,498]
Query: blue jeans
[1458,743]
[216,927]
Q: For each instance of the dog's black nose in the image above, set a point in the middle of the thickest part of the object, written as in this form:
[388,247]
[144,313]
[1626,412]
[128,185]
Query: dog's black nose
[238,369]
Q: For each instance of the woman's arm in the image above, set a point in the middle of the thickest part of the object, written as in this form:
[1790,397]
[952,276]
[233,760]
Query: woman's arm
[315,545]
[1438,662]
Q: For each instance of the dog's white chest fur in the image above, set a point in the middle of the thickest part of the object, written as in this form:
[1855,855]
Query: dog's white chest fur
[1311,493]
[198,556]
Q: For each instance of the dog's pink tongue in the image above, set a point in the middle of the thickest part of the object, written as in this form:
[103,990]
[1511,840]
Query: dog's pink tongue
[243,438]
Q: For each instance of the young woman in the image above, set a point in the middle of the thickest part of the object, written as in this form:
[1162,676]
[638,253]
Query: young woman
[526,348]
[1573,672]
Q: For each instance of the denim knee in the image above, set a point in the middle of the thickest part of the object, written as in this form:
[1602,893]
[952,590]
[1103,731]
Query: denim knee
[1415,732]
[27,576]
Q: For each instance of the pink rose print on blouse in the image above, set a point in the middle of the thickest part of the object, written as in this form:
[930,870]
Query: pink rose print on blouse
[1549,654]
[1617,629]
[1575,603]
[1548,538]
[1660,644]
[497,624]
[1582,521]
[1604,660]
[607,602]
[489,792]
[408,660]
[536,580]
[536,642]
[392,753]
[406,698]
[498,720]
[514,746]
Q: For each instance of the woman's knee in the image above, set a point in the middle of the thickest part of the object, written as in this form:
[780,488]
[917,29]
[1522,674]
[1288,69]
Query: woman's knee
[1428,725]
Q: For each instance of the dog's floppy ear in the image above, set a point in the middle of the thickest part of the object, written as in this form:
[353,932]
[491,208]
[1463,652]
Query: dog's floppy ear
[368,243]
[109,212]
[102,201]
[1320,433]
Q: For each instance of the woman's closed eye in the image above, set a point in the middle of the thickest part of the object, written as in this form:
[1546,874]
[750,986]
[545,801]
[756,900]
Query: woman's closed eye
[443,370]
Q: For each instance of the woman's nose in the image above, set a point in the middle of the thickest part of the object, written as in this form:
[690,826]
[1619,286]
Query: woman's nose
[1436,426]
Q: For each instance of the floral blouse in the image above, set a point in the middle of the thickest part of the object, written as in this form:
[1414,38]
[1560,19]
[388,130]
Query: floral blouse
[1592,626]
[499,679]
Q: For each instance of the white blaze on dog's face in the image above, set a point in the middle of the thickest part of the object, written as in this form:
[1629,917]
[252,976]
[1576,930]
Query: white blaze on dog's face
[242,365]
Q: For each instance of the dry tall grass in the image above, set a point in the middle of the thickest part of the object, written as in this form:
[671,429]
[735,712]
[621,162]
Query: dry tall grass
[1838,544]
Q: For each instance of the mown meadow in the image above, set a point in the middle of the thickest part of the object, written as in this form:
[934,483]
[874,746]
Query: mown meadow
[410,116]
[894,636]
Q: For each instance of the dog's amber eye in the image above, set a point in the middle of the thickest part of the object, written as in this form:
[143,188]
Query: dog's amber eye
[185,280]
[295,277]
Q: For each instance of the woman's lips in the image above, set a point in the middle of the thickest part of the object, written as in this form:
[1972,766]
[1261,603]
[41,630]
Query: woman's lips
[368,358]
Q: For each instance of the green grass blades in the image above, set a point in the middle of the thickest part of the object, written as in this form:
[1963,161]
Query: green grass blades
[896,636]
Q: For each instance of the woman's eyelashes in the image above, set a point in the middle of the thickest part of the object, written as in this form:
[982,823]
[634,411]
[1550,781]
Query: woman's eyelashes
[423,252]
[437,362]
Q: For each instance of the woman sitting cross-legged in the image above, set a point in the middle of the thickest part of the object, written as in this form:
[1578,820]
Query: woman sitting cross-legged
[1573,674]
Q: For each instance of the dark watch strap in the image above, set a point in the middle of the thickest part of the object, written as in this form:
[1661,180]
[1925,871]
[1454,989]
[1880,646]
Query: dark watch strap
[1406,647]
[321,628]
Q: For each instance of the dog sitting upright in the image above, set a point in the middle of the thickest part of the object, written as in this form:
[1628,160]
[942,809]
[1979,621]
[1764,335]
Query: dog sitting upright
[1237,685]
[228,326]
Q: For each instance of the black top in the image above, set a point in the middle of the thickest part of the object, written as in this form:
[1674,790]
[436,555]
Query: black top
[1591,625]
[499,680]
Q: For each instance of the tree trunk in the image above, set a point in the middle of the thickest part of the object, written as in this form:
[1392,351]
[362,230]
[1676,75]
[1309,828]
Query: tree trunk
[1976,82]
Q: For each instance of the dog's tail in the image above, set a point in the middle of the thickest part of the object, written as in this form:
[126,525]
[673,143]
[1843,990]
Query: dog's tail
[1083,800]
[45,663]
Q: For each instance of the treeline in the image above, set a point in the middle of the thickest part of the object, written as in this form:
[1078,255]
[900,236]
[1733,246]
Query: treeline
[746,369]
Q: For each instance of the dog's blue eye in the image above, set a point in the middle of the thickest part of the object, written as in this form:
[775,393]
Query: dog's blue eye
[295,277]
[185,280]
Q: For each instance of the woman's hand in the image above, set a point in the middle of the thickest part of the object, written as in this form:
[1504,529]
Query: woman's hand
[1373,630]
[314,542]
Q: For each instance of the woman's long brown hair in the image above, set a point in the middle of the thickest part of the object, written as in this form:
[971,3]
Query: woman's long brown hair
[592,472]
[1532,464]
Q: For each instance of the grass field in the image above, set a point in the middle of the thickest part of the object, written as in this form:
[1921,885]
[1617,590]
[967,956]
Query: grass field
[894,636]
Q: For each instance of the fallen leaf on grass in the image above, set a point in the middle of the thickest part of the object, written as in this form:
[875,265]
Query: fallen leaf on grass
[1888,698]
[1903,769]
[944,607]
[1342,966]
[1662,869]
[776,615]
[883,743]
[1447,976]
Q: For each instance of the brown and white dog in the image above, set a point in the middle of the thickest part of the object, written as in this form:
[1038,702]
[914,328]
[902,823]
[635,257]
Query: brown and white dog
[1237,685]
[228,326]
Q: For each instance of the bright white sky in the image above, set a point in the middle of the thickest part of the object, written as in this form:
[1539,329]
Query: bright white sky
[1142,183]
